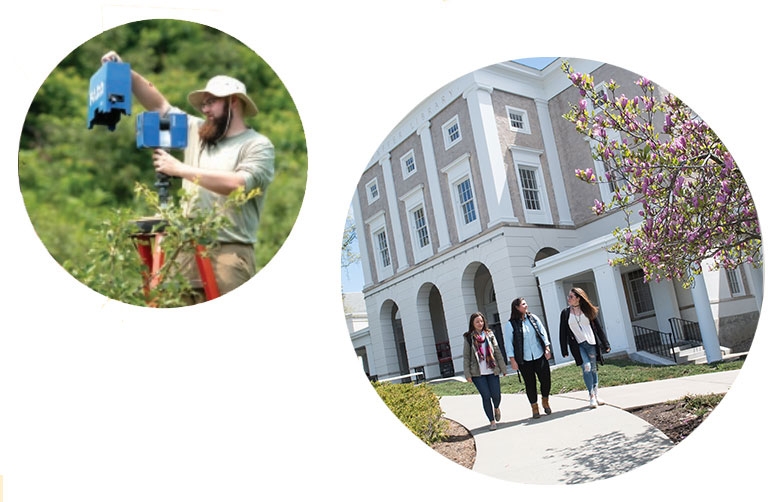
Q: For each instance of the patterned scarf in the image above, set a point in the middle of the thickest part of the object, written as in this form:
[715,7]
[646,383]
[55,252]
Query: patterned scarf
[484,349]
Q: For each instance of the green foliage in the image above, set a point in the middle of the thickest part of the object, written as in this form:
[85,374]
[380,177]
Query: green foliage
[684,199]
[114,267]
[417,407]
[77,182]
[615,372]
[701,404]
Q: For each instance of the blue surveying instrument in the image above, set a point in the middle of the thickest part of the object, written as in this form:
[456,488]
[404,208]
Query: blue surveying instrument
[155,131]
[110,98]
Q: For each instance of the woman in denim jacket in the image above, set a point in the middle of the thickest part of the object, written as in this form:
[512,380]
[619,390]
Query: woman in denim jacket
[528,349]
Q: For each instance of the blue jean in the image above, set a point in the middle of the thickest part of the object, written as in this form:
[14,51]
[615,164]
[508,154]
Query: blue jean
[489,387]
[589,367]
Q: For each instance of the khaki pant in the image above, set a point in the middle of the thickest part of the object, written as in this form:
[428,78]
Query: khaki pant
[233,265]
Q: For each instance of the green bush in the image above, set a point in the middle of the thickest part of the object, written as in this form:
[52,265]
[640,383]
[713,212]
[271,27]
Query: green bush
[702,404]
[417,407]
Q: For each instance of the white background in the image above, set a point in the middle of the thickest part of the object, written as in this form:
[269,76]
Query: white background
[258,396]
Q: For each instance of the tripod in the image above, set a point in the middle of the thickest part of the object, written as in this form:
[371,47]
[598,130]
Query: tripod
[148,241]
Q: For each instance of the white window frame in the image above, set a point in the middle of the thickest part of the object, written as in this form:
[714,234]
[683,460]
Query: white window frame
[526,128]
[643,288]
[413,201]
[604,186]
[449,142]
[403,161]
[458,172]
[377,225]
[735,282]
[530,159]
[370,196]
[598,89]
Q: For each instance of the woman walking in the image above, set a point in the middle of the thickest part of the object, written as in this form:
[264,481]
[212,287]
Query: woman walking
[482,363]
[528,349]
[581,332]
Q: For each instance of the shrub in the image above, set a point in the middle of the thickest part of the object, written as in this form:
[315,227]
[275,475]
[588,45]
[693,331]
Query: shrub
[417,407]
[701,405]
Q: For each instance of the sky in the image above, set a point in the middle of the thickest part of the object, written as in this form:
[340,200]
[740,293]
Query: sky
[353,275]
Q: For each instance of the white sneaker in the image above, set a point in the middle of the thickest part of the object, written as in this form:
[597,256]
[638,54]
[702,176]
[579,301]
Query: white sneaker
[597,399]
[593,402]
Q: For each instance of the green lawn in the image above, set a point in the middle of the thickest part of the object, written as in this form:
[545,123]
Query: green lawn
[614,372]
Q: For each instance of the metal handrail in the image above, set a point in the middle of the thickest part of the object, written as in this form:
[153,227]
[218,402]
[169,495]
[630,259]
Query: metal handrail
[655,342]
[685,330]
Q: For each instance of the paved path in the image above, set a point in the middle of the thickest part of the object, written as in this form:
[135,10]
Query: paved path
[575,444]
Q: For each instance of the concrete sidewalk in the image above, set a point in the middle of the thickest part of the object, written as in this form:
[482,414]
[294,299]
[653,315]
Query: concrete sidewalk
[575,444]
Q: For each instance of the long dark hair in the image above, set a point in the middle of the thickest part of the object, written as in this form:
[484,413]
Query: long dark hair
[590,310]
[516,315]
[474,316]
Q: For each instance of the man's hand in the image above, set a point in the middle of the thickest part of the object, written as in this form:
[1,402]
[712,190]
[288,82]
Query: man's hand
[110,56]
[167,164]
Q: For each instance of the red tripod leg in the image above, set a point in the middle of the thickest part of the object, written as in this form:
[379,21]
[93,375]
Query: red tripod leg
[153,258]
[146,255]
[157,261]
[206,273]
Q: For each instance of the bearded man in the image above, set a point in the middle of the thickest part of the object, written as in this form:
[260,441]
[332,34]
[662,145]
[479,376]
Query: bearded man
[223,154]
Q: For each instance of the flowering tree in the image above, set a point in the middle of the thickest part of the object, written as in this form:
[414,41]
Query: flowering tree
[662,161]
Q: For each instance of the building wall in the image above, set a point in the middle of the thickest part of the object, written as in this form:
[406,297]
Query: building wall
[503,251]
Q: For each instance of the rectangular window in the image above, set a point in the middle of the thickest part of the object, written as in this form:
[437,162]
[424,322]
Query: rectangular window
[418,226]
[421,229]
[466,201]
[518,120]
[531,186]
[463,197]
[639,295]
[452,132]
[372,191]
[610,182]
[408,164]
[734,281]
[530,189]
[382,249]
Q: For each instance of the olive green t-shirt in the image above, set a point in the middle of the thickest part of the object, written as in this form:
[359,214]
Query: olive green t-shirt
[249,153]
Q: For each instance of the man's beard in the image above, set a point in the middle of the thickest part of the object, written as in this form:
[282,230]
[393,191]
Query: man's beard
[213,130]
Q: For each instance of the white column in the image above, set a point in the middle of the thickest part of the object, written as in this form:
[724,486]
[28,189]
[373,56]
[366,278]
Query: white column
[700,297]
[755,277]
[434,189]
[553,160]
[393,208]
[554,298]
[664,301]
[489,155]
[614,310]
[379,330]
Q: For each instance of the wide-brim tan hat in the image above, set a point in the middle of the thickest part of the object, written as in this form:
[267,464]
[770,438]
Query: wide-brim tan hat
[222,86]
